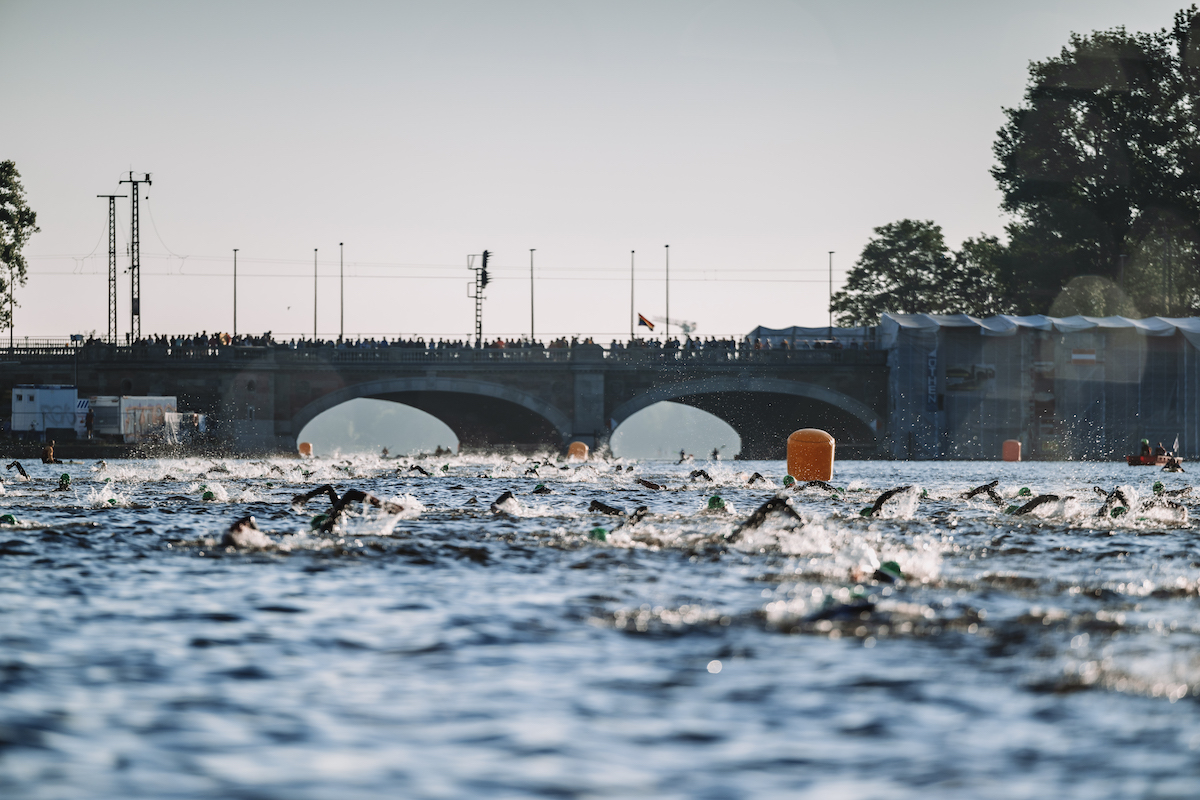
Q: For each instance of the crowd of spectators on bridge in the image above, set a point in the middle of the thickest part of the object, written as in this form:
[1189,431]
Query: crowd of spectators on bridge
[204,339]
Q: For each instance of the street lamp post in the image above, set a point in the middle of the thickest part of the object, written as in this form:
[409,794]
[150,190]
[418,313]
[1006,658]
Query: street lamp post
[632,314]
[314,295]
[235,291]
[831,252]
[342,292]
[667,324]
[531,251]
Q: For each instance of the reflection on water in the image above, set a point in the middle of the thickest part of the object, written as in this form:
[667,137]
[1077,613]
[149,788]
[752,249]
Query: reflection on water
[938,647]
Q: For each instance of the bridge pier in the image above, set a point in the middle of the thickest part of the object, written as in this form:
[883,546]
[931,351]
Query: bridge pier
[588,423]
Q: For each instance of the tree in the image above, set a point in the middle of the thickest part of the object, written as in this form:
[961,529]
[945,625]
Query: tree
[17,223]
[906,268]
[1102,156]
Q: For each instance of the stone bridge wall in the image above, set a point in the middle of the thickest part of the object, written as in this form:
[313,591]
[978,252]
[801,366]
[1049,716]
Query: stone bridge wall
[260,398]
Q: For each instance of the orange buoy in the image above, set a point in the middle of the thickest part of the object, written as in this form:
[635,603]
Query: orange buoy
[578,451]
[810,455]
[1011,450]
[305,449]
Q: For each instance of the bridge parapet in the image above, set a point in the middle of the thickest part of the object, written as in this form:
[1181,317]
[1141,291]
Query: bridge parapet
[404,355]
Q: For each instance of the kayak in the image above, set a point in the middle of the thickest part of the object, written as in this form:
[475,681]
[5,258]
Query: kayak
[1151,461]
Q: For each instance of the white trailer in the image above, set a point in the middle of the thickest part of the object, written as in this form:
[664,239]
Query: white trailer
[142,417]
[36,407]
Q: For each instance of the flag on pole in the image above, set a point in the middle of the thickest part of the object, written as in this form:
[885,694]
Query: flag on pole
[643,321]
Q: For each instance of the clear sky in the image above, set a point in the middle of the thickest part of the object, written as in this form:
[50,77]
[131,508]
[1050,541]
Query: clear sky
[751,136]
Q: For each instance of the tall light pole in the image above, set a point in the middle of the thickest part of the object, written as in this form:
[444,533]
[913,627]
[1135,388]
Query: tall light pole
[235,292]
[632,321]
[531,251]
[831,252]
[342,292]
[667,324]
[314,295]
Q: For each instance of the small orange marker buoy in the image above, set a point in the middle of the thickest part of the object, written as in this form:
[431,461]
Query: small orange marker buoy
[578,451]
[810,455]
[1011,450]
[305,449]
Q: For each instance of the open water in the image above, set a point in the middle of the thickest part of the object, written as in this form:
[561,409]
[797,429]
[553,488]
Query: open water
[457,651]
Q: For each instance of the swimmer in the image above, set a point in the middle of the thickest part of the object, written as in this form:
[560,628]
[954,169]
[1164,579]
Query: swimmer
[326,489]
[649,484]
[637,516]
[603,508]
[883,498]
[497,505]
[700,475]
[989,489]
[20,469]
[327,521]
[755,478]
[1161,502]
[48,454]
[775,504]
[243,533]
[420,469]
[1040,500]
[821,485]
[1111,500]
[541,489]
[532,471]
[356,496]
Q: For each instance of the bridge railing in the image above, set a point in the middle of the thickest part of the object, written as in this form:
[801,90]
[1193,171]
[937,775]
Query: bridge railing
[398,355]
[798,357]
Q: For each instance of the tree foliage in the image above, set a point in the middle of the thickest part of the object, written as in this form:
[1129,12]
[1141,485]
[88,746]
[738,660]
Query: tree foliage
[907,268]
[1100,167]
[17,223]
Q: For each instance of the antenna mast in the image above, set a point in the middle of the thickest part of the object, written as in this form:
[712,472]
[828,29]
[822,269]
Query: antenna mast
[135,256]
[112,265]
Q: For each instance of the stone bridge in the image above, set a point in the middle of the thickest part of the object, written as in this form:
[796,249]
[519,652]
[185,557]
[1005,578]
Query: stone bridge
[261,398]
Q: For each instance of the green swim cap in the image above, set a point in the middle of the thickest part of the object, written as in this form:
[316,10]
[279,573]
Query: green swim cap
[208,496]
[599,534]
[7,519]
[715,503]
[1158,487]
[318,521]
[892,569]
[1024,492]
[64,478]
[788,480]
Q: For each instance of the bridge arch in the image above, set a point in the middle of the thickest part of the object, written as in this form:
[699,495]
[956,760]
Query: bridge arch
[481,414]
[764,411]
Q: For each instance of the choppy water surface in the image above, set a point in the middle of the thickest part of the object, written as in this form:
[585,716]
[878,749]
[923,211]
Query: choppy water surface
[456,650]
